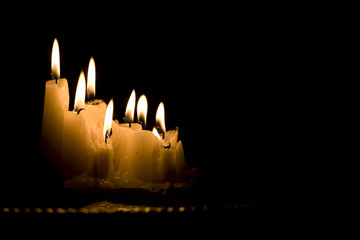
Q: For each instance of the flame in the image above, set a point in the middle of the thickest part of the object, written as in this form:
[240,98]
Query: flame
[130,108]
[160,117]
[142,108]
[80,93]
[91,79]
[155,132]
[55,60]
[108,118]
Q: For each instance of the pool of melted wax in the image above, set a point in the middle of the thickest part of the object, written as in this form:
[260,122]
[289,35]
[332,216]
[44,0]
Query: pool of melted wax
[118,181]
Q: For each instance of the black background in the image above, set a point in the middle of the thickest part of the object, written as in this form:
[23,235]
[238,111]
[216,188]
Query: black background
[225,79]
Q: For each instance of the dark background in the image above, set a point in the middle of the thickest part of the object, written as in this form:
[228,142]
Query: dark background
[225,79]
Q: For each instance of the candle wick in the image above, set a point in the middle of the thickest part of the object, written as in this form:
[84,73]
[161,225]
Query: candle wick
[91,96]
[54,76]
[168,146]
[142,125]
[108,134]
[129,124]
[79,110]
[160,131]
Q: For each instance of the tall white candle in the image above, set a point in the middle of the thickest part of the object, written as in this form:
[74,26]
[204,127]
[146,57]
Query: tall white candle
[56,101]
[76,150]
[103,151]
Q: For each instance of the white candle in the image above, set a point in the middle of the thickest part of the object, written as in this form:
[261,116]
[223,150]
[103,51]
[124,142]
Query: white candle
[95,108]
[171,163]
[144,155]
[76,151]
[56,101]
[104,153]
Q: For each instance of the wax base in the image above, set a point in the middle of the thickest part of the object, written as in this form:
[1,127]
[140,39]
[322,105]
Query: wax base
[118,181]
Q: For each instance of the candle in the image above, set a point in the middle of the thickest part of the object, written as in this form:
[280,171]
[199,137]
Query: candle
[123,136]
[145,155]
[104,149]
[95,108]
[76,151]
[56,101]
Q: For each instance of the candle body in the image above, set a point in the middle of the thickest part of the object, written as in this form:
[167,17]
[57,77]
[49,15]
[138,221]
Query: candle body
[143,156]
[77,155]
[94,116]
[104,166]
[122,139]
[56,102]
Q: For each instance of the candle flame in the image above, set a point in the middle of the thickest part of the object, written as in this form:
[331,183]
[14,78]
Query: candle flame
[80,93]
[142,108]
[129,113]
[160,117]
[108,118]
[55,60]
[155,132]
[91,79]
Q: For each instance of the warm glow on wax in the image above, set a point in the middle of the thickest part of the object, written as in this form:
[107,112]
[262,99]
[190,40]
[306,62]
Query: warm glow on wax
[55,60]
[130,108]
[108,118]
[91,79]
[142,108]
[80,93]
[160,117]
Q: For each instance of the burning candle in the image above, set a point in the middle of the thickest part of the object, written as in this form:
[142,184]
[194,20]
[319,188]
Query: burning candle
[123,136]
[104,152]
[56,101]
[76,151]
[95,108]
[171,163]
[130,112]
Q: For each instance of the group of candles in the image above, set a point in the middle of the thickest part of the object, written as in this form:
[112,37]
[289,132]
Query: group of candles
[88,142]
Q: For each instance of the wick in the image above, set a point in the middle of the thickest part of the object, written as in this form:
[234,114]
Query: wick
[78,111]
[160,131]
[91,96]
[108,134]
[54,77]
[124,118]
[142,125]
